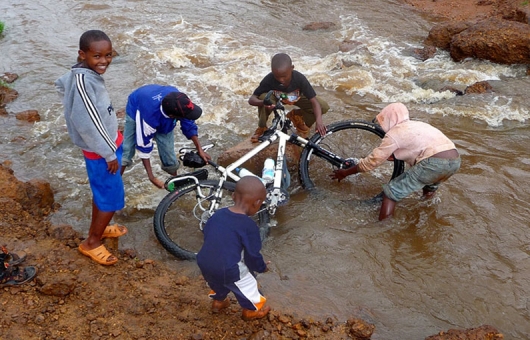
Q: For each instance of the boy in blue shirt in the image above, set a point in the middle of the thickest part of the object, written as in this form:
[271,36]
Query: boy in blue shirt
[231,251]
[152,113]
[93,126]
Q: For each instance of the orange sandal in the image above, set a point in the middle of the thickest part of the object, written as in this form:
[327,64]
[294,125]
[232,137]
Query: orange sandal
[115,230]
[99,254]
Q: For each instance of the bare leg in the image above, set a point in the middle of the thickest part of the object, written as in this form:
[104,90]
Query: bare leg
[100,220]
[387,208]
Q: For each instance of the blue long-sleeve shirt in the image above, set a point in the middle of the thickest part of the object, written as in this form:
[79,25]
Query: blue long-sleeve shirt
[144,105]
[230,239]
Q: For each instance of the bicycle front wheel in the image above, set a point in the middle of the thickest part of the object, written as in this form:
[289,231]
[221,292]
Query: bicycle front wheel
[181,215]
[350,140]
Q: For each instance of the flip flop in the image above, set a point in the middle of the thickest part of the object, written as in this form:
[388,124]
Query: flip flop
[14,276]
[99,255]
[13,259]
[114,230]
[16,258]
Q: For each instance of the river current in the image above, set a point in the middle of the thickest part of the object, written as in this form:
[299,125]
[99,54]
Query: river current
[458,261]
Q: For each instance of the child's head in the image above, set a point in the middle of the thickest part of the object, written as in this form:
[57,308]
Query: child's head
[249,194]
[282,68]
[392,115]
[178,105]
[95,51]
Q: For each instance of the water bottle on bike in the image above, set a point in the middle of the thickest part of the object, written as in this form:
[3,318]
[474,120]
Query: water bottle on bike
[242,172]
[268,170]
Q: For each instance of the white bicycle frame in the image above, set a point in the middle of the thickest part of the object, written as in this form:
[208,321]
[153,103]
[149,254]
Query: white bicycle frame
[275,195]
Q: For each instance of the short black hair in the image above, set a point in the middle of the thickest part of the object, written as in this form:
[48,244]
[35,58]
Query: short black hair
[89,37]
[280,61]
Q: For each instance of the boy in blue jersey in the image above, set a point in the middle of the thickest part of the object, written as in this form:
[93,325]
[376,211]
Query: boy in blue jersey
[283,79]
[231,251]
[152,113]
[93,126]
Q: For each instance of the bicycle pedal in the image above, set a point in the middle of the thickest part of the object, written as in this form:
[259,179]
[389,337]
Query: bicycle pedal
[180,180]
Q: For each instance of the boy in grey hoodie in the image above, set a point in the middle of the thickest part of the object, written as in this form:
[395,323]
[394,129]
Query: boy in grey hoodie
[93,126]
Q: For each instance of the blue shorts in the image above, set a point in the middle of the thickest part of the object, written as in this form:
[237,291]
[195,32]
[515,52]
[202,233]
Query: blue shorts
[107,189]
[427,174]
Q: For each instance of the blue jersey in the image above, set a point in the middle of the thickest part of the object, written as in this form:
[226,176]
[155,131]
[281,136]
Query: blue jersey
[230,238]
[145,107]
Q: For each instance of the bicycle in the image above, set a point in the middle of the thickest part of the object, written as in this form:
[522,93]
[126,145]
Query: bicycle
[181,214]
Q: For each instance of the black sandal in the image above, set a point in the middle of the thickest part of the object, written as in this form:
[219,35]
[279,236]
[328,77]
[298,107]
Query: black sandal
[14,276]
[12,259]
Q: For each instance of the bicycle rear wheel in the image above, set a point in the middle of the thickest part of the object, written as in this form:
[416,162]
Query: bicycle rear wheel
[351,140]
[180,217]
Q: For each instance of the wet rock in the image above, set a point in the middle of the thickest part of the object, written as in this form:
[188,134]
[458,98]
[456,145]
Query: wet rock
[313,26]
[441,34]
[284,319]
[60,284]
[255,164]
[360,329]
[425,53]
[182,280]
[40,194]
[349,45]
[260,335]
[484,332]
[11,187]
[29,116]
[479,87]
[130,253]
[7,94]
[9,77]
[497,40]
[63,232]
[452,89]
[39,319]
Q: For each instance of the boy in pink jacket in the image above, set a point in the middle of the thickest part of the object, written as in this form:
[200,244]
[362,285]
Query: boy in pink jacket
[432,157]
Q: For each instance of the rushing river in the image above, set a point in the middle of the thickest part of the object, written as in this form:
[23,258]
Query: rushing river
[458,261]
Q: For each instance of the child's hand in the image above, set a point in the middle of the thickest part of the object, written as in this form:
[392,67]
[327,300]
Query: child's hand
[113,166]
[339,174]
[204,155]
[158,183]
[321,128]
[269,107]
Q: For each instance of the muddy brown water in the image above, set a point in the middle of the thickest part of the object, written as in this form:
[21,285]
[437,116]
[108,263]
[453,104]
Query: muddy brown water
[458,261]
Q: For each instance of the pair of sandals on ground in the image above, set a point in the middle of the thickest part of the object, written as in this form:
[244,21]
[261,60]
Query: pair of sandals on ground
[100,254]
[11,273]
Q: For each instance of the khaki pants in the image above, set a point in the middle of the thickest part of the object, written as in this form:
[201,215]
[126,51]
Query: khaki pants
[303,104]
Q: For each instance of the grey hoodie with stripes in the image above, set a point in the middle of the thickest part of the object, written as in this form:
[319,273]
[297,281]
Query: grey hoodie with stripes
[90,117]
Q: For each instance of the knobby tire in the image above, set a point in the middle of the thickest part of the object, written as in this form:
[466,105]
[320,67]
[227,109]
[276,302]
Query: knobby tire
[350,140]
[177,218]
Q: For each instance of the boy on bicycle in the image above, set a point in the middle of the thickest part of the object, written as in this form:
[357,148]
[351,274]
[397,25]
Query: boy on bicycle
[283,79]
[432,156]
[231,251]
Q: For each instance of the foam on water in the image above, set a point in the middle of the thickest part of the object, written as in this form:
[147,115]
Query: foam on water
[221,72]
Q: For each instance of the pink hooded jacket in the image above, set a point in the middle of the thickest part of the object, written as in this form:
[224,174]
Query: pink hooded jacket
[410,141]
